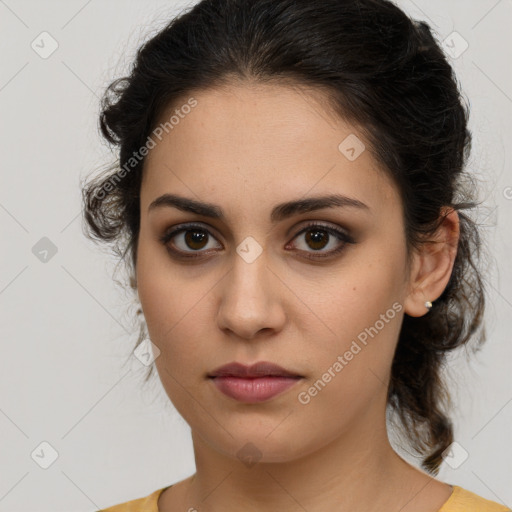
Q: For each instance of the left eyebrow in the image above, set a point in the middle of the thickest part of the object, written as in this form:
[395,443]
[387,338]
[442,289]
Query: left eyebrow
[279,212]
[310,204]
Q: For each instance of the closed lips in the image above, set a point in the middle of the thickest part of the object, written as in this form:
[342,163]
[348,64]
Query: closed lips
[257,370]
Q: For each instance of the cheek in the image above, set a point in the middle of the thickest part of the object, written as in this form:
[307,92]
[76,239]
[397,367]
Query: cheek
[162,292]
[353,299]
[172,308]
[359,324]
[352,363]
[175,308]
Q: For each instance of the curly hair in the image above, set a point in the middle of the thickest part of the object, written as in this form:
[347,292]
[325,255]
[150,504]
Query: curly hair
[380,70]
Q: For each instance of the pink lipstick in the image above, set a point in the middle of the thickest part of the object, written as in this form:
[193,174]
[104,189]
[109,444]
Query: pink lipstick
[252,384]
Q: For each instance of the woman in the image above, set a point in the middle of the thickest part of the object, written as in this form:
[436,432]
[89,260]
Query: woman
[287,199]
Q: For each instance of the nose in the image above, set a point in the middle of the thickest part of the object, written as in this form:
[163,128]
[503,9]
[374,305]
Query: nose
[251,301]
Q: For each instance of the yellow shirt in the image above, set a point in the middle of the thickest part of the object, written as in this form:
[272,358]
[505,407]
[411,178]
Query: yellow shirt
[461,500]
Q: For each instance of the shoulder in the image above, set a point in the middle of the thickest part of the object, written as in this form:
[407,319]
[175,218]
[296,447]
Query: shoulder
[147,503]
[462,500]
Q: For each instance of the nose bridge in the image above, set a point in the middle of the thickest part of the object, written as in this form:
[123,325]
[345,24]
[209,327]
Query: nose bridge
[250,267]
[249,299]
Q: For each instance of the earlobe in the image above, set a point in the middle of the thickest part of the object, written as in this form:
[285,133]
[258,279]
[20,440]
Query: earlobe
[433,266]
[416,304]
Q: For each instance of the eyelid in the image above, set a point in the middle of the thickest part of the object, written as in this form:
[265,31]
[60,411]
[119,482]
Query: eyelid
[321,224]
[186,226]
[340,233]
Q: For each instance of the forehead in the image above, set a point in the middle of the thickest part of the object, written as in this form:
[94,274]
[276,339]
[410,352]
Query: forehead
[259,143]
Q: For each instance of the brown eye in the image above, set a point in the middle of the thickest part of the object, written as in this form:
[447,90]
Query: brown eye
[318,237]
[187,240]
[195,239]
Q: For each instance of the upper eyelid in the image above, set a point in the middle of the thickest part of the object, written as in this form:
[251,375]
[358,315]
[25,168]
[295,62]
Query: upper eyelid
[180,228]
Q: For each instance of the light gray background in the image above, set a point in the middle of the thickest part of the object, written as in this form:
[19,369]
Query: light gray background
[65,325]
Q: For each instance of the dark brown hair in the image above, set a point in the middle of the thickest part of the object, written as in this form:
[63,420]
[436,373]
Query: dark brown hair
[380,70]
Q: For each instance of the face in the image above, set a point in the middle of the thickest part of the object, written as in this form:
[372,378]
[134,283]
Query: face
[317,291]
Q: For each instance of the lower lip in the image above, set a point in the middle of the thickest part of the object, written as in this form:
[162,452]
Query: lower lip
[253,390]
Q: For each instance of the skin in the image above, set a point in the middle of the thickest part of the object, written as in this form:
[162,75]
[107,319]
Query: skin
[247,147]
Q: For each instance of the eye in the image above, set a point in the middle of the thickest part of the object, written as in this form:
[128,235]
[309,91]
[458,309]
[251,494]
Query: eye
[320,236]
[192,241]
[190,236]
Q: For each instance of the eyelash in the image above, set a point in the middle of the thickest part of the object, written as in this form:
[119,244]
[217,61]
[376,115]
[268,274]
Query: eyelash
[344,237]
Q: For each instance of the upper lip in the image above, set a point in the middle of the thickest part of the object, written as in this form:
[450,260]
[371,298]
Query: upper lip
[259,369]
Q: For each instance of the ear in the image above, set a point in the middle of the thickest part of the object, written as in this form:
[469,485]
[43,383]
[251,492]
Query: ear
[432,265]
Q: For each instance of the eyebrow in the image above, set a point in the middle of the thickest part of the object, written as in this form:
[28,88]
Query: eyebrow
[279,212]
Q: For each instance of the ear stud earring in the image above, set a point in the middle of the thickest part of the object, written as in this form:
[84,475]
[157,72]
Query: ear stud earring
[427,303]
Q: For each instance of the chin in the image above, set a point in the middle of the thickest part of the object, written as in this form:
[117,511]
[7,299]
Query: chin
[253,445]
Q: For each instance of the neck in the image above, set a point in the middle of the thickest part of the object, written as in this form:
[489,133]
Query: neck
[357,470]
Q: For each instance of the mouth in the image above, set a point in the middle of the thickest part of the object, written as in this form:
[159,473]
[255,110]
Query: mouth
[253,390]
[256,370]
[253,384]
